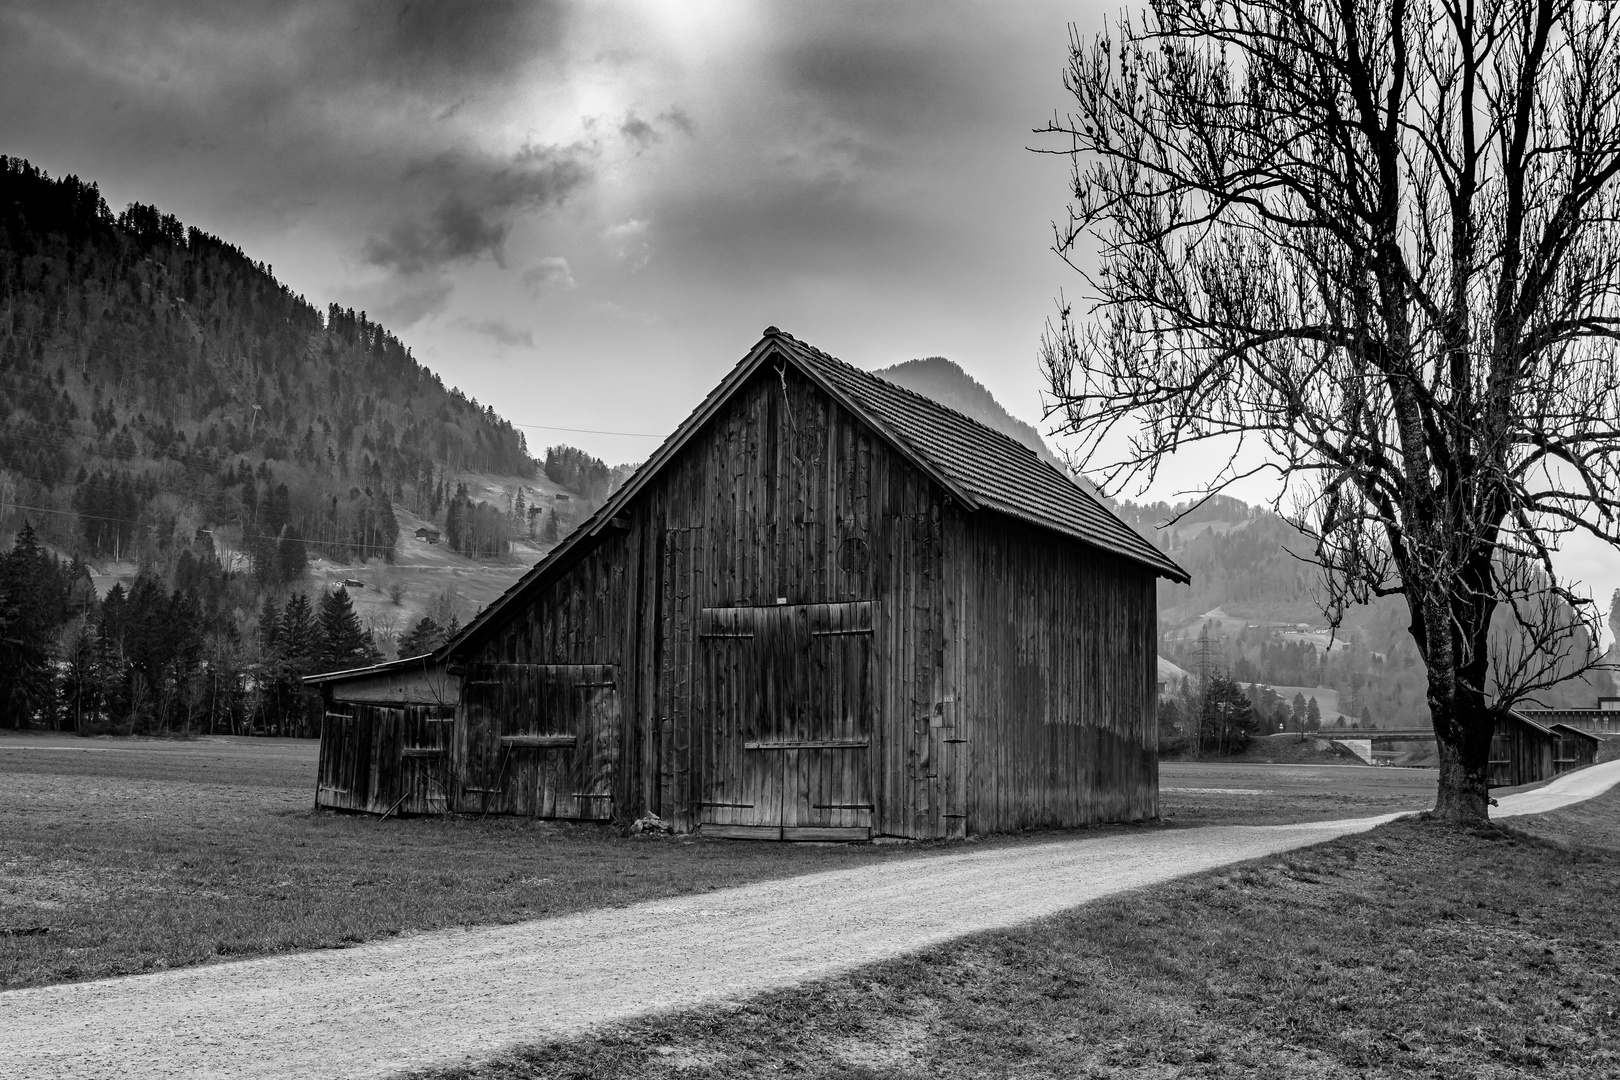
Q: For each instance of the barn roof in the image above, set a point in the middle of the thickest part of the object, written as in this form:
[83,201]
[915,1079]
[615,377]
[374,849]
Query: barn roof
[981,467]
[997,471]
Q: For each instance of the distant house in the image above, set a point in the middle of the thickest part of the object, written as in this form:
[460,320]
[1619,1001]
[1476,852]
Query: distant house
[1602,718]
[826,608]
[353,583]
[430,535]
[1526,748]
[561,496]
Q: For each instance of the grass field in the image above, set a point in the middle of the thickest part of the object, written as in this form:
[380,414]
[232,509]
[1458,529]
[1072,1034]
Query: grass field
[1414,950]
[140,854]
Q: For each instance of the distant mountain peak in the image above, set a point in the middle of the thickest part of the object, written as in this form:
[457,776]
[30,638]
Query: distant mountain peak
[944,381]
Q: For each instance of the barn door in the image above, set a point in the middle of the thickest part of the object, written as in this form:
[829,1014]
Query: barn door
[787,708]
[424,765]
[548,738]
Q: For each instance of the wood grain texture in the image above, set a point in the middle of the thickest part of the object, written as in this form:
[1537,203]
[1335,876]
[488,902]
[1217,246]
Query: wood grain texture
[808,634]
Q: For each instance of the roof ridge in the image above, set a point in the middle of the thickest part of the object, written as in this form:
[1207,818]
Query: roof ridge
[921,397]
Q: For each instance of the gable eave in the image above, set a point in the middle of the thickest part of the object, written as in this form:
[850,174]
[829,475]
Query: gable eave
[773,343]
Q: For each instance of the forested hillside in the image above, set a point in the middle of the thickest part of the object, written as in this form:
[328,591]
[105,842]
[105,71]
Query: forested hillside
[151,373]
[1253,612]
[183,440]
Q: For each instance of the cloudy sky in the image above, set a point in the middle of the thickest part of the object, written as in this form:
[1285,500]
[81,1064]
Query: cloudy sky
[584,213]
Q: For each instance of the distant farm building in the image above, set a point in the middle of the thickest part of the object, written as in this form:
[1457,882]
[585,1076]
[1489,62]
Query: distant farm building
[1526,750]
[825,608]
[1602,718]
[430,535]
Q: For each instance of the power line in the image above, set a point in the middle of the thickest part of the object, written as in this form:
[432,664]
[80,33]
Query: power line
[587,431]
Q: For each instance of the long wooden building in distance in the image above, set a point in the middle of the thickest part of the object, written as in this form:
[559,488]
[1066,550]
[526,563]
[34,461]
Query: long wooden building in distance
[825,608]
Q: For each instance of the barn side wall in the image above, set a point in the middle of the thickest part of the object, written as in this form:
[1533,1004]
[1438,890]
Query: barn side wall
[1520,754]
[784,496]
[1055,680]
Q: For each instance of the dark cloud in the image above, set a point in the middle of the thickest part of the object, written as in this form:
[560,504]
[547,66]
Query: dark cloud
[499,330]
[416,45]
[677,118]
[638,132]
[404,302]
[477,199]
[891,84]
[551,274]
[641,133]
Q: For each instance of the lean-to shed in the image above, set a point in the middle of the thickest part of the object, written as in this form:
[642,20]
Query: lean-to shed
[825,608]
[1522,750]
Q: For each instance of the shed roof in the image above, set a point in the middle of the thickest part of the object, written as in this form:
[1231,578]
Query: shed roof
[981,467]
[1535,725]
[1570,729]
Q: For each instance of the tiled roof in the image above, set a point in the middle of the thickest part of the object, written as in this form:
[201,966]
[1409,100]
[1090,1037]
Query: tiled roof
[997,471]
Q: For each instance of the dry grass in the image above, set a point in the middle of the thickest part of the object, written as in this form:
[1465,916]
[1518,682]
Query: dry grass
[139,855]
[1415,950]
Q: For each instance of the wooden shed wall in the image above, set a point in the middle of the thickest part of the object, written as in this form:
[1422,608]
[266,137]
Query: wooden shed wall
[782,496]
[1057,676]
[1520,754]
[1573,748]
[385,759]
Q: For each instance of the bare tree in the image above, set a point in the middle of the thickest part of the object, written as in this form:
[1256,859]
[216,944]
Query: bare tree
[1370,245]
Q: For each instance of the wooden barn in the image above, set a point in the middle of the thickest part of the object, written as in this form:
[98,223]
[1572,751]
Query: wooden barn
[825,608]
[1528,746]
[1573,747]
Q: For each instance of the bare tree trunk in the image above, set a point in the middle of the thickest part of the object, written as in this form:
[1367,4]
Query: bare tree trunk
[1464,791]
[1463,722]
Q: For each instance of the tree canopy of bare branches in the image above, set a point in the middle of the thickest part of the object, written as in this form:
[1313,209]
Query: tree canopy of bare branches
[1371,245]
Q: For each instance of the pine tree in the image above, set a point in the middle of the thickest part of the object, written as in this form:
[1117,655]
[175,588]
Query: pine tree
[388,528]
[424,637]
[291,559]
[343,642]
[1297,712]
[269,624]
[31,609]
[297,636]
[1313,716]
[452,525]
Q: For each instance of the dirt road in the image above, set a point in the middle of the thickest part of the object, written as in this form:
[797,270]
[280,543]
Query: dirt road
[375,1009]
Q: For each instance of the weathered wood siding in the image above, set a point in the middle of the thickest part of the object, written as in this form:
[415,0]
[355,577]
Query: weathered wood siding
[782,496]
[809,638]
[1055,681]
[1520,754]
[1572,748]
[540,740]
[385,759]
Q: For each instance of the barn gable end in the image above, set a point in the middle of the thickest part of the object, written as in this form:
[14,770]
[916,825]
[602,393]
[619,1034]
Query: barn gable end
[824,609]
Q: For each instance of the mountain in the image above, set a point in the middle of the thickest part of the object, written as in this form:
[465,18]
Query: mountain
[943,381]
[154,379]
[213,486]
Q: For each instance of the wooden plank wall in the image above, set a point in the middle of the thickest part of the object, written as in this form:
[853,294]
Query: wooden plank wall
[385,759]
[1054,680]
[1013,678]
[1519,754]
[539,740]
[783,495]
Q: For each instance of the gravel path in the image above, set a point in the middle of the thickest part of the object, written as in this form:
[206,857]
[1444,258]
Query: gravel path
[445,996]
